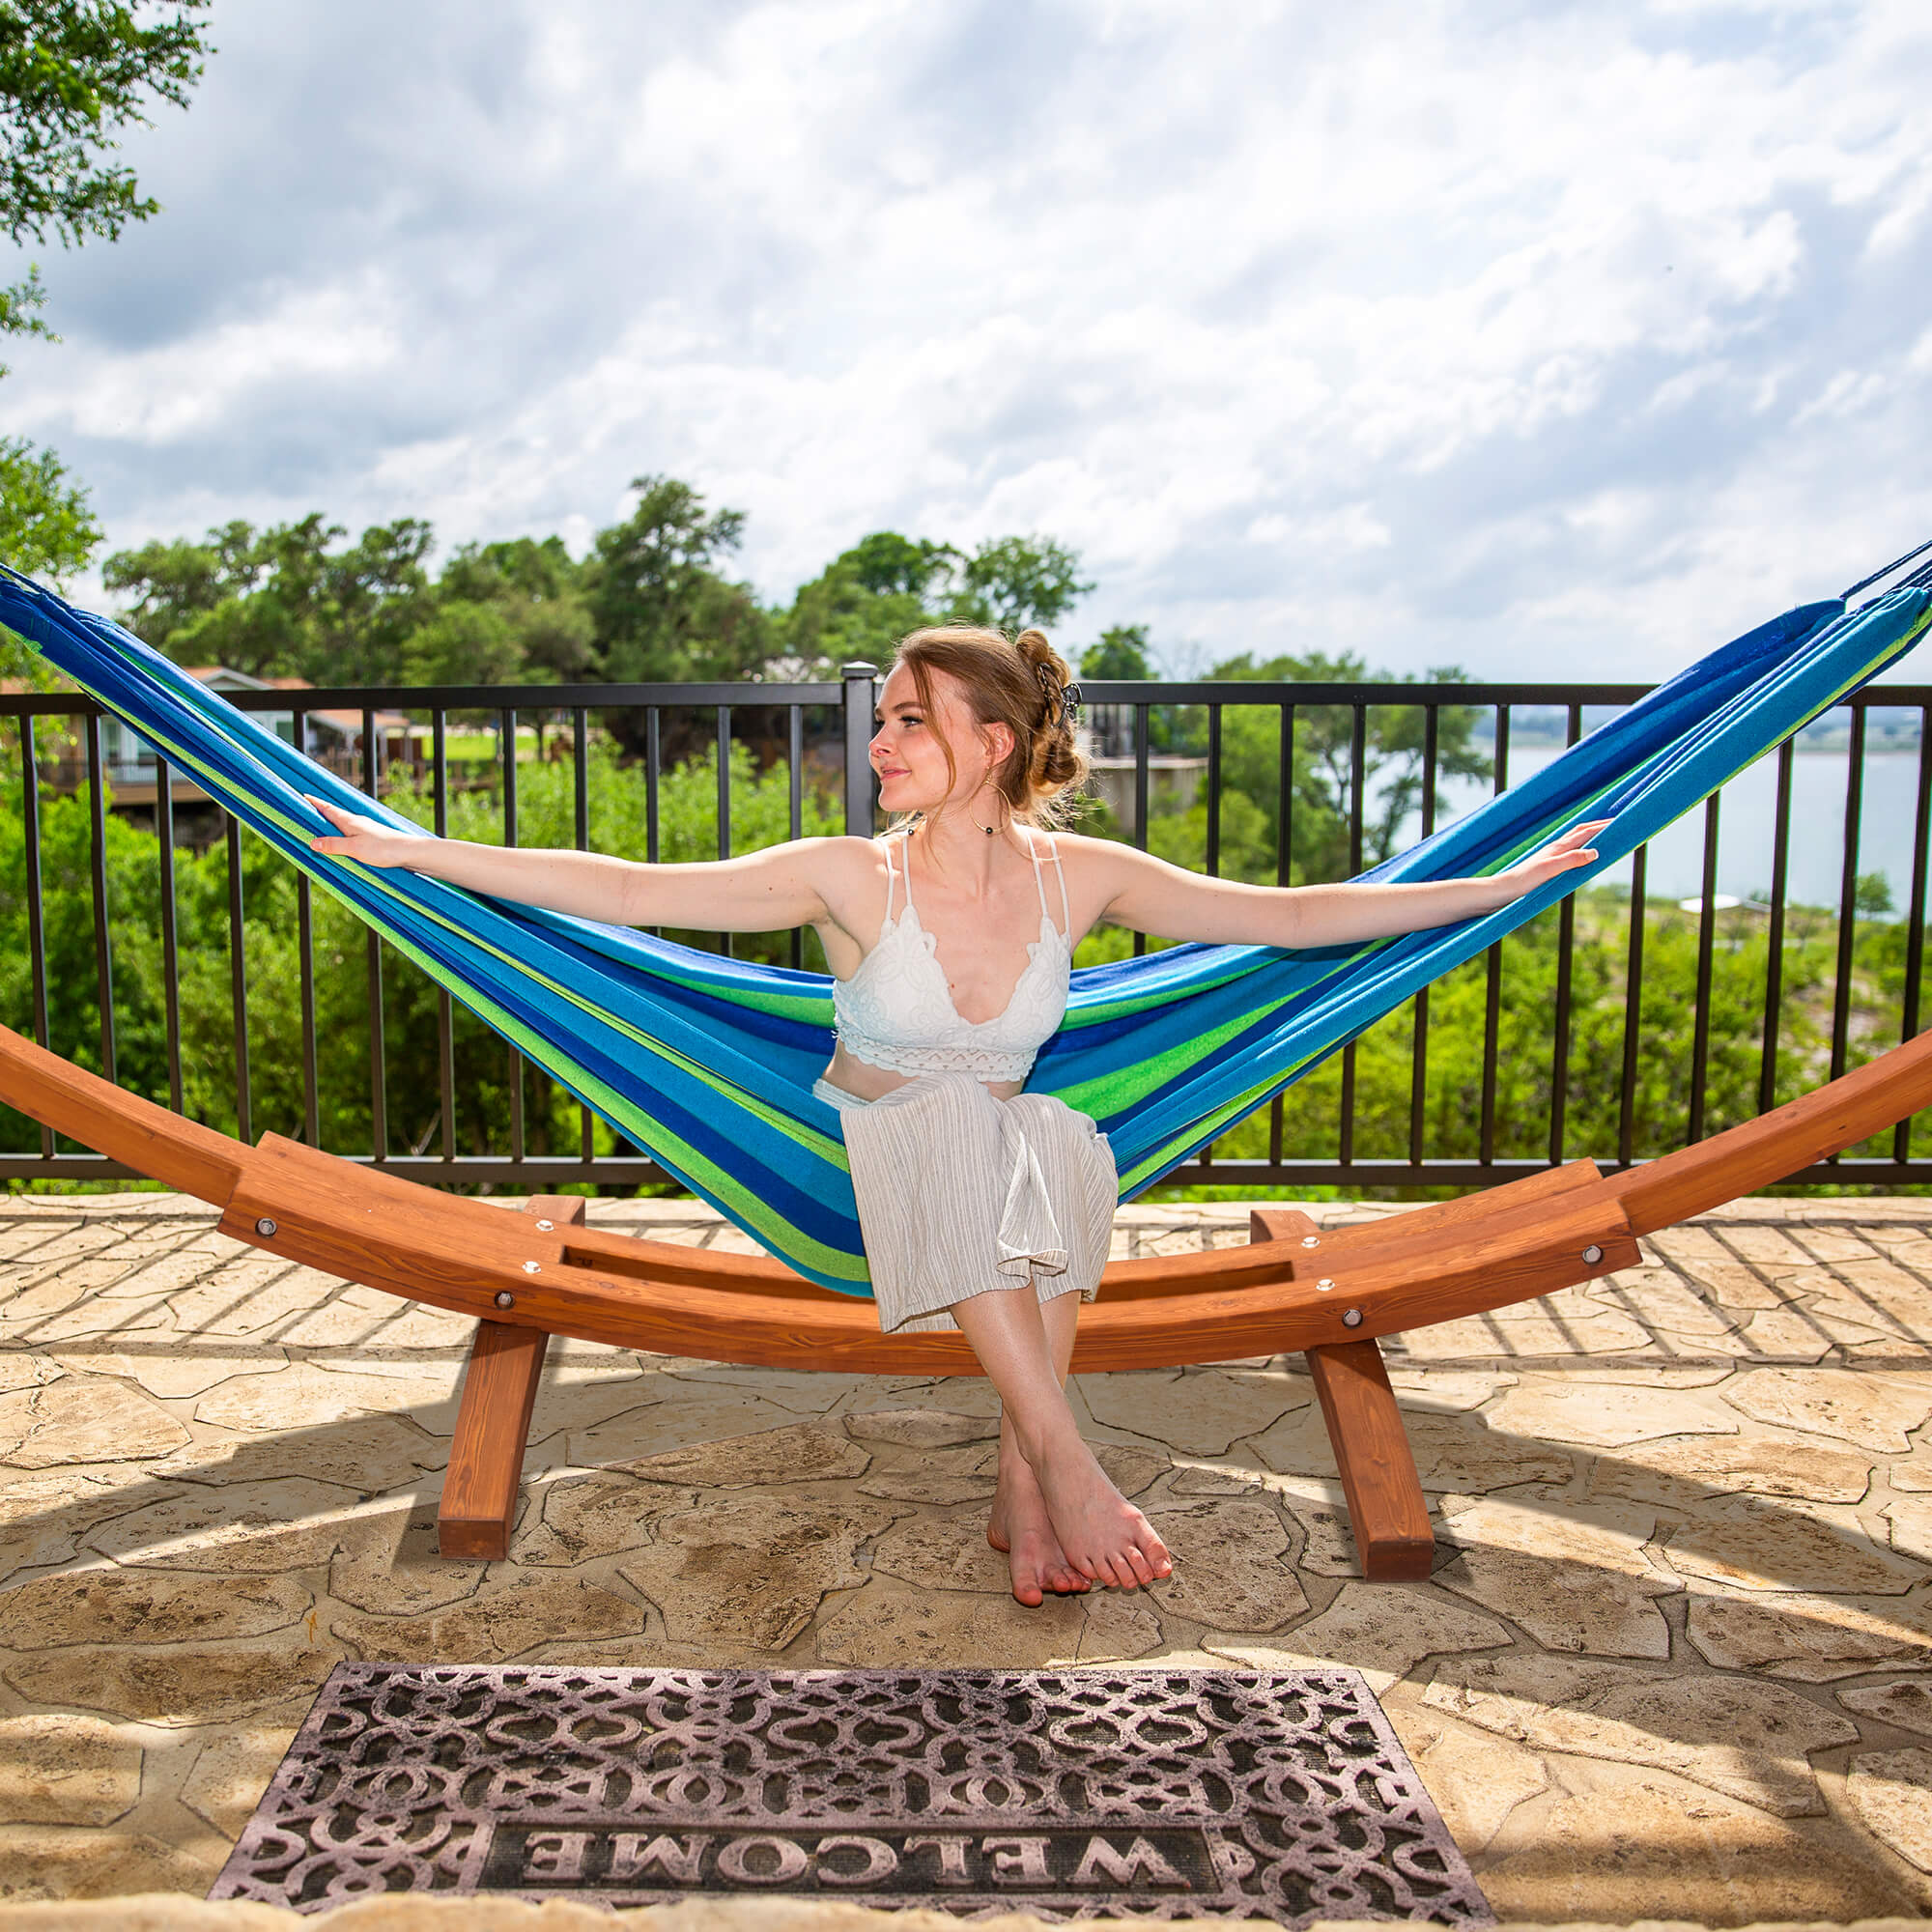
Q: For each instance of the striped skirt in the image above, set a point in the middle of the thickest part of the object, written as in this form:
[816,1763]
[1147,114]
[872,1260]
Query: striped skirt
[959,1193]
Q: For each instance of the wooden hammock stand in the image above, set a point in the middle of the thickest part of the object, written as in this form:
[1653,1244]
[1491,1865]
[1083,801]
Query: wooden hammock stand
[528,1276]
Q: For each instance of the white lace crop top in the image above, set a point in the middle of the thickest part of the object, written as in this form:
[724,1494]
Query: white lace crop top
[897,1011]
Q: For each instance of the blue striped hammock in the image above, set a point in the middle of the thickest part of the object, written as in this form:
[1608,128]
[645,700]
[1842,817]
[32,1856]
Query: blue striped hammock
[708,1062]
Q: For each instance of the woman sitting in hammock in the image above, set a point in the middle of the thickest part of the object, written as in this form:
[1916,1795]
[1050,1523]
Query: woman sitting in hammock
[951,940]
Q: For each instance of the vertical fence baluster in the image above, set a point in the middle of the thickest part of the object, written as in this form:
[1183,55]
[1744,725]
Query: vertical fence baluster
[1566,950]
[96,874]
[506,738]
[579,769]
[1914,931]
[1494,968]
[445,1016]
[1774,965]
[1141,799]
[1358,762]
[579,775]
[37,923]
[1213,791]
[1633,1007]
[653,770]
[859,681]
[1418,1065]
[1848,899]
[311,1072]
[238,981]
[1283,873]
[164,834]
[378,1080]
[1707,937]
[1848,893]
[725,801]
[653,773]
[795,804]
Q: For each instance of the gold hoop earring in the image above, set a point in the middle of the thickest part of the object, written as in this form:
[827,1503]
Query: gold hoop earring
[991,830]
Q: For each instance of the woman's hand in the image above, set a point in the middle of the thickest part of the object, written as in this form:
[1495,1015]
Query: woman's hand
[770,891]
[1561,855]
[363,839]
[1147,895]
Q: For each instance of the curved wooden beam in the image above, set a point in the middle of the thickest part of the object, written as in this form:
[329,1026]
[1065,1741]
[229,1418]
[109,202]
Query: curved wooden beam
[1429,1264]
[188,1158]
[1761,1152]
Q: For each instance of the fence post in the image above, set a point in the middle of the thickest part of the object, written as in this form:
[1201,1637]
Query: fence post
[859,676]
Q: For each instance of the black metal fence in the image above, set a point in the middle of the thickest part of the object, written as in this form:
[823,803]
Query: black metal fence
[1791,1031]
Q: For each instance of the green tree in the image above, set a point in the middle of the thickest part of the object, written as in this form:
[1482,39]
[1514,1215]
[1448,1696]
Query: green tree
[890,565]
[18,309]
[1012,582]
[1323,778]
[47,529]
[47,525]
[283,602]
[864,601]
[536,590]
[869,596]
[660,608]
[178,584]
[73,73]
[1121,652]
[462,642]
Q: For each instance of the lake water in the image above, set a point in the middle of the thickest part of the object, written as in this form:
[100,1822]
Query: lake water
[1746,819]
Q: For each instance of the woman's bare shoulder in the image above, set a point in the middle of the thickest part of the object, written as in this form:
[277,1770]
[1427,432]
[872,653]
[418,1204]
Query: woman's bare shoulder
[843,860]
[1087,854]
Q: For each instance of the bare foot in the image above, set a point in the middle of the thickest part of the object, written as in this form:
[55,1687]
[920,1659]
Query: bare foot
[1104,1535]
[1020,1528]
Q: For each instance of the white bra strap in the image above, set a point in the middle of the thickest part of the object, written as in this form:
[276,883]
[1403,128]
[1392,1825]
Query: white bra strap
[905,852]
[1038,880]
[1052,852]
[890,880]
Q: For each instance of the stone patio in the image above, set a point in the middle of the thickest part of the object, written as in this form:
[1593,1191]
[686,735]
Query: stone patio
[1675,1660]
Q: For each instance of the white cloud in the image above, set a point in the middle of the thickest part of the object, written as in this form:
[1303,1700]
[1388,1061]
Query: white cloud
[1575,335]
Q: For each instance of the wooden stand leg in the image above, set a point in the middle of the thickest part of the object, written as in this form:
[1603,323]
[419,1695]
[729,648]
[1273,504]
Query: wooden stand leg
[493,1423]
[1393,1539]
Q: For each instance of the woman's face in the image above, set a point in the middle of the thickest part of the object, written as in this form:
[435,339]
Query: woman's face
[908,749]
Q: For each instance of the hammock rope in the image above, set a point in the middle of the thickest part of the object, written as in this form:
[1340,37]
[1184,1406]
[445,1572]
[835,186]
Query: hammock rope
[708,1062]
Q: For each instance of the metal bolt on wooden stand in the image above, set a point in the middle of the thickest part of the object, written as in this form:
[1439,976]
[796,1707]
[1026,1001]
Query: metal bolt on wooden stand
[493,1421]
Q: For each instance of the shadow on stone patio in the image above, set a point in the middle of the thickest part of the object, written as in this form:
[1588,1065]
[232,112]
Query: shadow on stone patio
[1674,1659]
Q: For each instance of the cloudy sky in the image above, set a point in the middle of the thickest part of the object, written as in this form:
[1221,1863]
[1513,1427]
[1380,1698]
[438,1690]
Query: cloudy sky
[1552,340]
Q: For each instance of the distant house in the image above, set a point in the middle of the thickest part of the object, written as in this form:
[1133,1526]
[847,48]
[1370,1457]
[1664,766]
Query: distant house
[331,737]
[1174,782]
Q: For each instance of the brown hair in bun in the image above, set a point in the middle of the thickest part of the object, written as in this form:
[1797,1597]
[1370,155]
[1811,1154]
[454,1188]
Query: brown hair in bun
[1021,683]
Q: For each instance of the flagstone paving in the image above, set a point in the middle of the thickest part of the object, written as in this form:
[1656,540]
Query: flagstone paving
[1675,1660]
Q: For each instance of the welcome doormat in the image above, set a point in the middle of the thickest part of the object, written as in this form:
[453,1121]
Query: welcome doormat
[1163,1794]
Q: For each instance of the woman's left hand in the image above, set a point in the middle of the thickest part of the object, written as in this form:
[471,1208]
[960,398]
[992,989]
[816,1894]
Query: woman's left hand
[1561,855]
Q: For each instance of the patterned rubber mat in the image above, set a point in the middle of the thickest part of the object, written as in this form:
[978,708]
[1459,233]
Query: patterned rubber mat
[1183,1793]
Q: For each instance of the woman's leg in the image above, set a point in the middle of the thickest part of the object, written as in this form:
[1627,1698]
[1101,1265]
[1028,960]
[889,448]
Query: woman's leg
[1102,1535]
[1018,1524]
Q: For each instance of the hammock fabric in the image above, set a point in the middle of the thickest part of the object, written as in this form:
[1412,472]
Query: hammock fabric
[708,1062]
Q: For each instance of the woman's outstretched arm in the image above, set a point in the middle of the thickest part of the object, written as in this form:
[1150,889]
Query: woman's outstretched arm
[1149,896]
[771,891]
